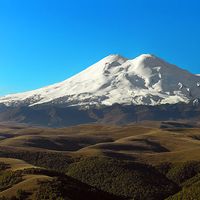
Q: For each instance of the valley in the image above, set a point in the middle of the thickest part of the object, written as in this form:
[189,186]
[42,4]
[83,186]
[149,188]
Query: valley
[138,156]
[143,142]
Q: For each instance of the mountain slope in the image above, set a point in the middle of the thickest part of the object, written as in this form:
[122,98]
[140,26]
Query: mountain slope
[61,116]
[145,80]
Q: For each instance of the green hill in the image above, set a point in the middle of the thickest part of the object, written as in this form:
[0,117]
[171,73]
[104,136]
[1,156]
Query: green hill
[130,179]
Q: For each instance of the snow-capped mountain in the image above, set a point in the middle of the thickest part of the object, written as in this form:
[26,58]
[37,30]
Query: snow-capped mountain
[145,80]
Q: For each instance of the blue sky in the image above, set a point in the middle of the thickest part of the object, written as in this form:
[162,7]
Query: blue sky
[47,41]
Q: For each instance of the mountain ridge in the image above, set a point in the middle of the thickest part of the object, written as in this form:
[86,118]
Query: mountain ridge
[144,80]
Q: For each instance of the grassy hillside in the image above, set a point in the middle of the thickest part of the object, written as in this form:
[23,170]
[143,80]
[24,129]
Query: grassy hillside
[186,175]
[41,184]
[148,142]
[190,190]
[141,161]
[130,179]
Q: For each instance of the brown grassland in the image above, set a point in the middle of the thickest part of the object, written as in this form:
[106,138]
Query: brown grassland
[147,143]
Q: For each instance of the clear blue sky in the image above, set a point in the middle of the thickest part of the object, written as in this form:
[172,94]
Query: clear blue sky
[46,41]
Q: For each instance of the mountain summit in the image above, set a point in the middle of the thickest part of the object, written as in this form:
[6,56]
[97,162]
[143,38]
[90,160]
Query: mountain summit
[145,80]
